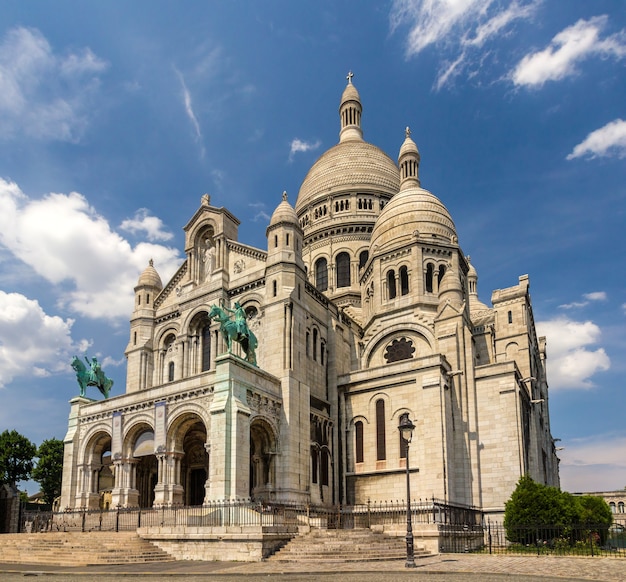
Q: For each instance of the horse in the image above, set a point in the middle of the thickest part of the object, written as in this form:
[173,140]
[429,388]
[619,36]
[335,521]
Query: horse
[92,376]
[235,331]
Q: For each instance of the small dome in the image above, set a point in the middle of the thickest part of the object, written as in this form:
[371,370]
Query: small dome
[409,162]
[150,277]
[410,214]
[409,146]
[284,213]
[475,304]
[350,94]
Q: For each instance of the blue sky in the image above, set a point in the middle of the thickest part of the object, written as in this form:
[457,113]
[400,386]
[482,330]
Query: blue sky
[116,117]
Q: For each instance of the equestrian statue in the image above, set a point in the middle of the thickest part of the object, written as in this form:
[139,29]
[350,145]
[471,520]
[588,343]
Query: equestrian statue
[92,375]
[236,330]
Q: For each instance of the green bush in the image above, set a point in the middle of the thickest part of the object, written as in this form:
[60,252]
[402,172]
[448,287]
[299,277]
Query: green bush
[538,513]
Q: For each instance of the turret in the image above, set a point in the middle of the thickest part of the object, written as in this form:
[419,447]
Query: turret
[139,349]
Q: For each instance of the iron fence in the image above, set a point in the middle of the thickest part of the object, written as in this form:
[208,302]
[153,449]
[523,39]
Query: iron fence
[460,528]
[574,540]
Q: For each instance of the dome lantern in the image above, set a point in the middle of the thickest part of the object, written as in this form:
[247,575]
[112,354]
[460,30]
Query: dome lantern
[409,161]
[350,111]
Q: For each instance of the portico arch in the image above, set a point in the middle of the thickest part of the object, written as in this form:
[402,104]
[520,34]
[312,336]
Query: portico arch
[188,442]
[262,455]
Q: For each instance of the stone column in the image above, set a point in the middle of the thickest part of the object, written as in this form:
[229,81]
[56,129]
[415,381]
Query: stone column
[230,433]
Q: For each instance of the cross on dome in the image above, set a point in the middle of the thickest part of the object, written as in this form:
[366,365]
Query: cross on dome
[349,77]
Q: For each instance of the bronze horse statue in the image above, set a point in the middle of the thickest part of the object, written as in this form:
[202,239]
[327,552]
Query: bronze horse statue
[92,376]
[236,330]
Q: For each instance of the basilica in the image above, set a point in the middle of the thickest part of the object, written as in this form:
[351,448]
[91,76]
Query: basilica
[365,309]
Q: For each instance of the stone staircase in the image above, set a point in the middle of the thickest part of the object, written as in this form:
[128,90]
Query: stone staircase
[79,549]
[357,545]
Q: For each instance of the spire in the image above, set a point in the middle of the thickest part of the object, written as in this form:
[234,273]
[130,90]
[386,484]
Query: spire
[350,111]
[409,161]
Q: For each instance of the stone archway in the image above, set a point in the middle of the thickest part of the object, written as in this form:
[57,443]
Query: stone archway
[188,453]
[262,454]
[195,464]
[146,467]
[96,477]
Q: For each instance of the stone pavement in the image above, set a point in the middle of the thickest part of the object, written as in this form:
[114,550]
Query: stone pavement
[443,568]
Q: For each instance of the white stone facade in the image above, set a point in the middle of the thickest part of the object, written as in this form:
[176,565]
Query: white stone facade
[365,308]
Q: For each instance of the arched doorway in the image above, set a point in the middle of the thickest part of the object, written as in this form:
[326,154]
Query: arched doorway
[262,453]
[146,466]
[195,464]
[97,476]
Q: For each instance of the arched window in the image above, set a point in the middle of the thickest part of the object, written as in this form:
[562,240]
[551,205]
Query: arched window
[170,372]
[321,274]
[612,506]
[381,447]
[430,271]
[275,288]
[363,256]
[510,316]
[315,344]
[391,284]
[620,507]
[324,466]
[440,274]
[322,351]
[308,346]
[314,464]
[206,348]
[404,281]
[343,270]
[358,441]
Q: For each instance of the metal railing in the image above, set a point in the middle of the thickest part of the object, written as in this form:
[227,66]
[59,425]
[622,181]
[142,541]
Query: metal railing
[460,528]
[247,513]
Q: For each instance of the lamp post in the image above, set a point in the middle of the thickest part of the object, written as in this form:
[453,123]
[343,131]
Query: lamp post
[406,428]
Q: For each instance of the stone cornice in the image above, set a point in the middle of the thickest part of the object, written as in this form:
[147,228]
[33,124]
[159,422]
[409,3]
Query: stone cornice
[171,285]
[246,250]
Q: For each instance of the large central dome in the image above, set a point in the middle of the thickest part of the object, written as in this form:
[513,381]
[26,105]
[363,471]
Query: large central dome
[353,165]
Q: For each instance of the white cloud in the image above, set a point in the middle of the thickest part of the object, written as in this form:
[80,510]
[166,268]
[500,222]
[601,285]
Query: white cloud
[459,28]
[595,296]
[604,142]
[589,297]
[567,49]
[570,363]
[593,464]
[64,240]
[261,216]
[143,222]
[31,342]
[298,145]
[189,111]
[44,95]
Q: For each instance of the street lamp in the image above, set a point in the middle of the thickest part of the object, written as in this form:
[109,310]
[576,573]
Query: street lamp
[406,428]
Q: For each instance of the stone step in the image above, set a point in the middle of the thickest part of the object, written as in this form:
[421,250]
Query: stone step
[79,549]
[344,546]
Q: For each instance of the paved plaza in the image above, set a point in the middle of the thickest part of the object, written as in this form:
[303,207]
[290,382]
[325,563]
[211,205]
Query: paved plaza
[441,568]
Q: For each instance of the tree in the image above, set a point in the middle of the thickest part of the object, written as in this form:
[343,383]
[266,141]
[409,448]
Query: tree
[595,514]
[16,457]
[49,469]
[537,511]
[533,507]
